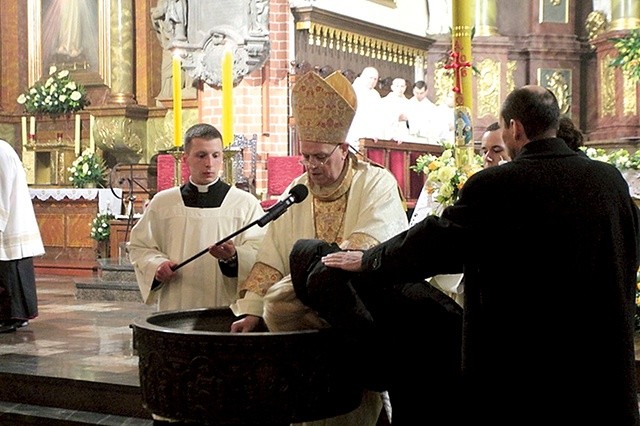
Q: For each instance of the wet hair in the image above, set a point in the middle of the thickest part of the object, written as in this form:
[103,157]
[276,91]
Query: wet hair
[571,135]
[538,111]
[493,127]
[202,131]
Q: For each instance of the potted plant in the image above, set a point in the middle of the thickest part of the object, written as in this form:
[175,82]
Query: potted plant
[628,58]
[87,170]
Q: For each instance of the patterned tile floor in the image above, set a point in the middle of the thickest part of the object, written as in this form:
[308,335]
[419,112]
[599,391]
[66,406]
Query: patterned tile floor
[74,339]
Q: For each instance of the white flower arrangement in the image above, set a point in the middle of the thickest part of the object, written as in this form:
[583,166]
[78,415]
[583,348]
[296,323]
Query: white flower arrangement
[444,177]
[620,158]
[100,228]
[87,169]
[58,95]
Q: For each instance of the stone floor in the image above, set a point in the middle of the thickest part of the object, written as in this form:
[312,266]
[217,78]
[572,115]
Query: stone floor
[77,345]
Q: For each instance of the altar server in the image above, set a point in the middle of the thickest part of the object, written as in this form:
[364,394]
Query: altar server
[181,221]
[20,241]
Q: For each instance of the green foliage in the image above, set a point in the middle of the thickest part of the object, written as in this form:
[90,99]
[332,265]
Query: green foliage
[628,58]
[58,95]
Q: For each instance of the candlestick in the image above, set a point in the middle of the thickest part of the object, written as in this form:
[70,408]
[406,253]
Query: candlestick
[92,125]
[177,100]
[227,98]
[77,134]
[24,131]
[32,126]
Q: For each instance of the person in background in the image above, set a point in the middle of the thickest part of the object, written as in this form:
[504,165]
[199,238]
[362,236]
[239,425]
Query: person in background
[558,315]
[571,135]
[351,203]
[494,151]
[20,242]
[179,222]
[423,115]
[366,123]
[394,107]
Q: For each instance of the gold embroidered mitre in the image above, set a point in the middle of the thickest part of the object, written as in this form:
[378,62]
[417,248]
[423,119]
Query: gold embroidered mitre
[323,108]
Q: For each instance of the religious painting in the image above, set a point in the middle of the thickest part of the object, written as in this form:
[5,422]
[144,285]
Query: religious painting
[558,81]
[71,35]
[554,11]
[388,3]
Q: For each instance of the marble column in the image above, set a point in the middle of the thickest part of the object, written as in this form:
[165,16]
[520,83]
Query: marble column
[121,50]
[486,18]
[625,14]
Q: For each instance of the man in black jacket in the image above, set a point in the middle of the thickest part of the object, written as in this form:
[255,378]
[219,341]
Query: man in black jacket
[547,338]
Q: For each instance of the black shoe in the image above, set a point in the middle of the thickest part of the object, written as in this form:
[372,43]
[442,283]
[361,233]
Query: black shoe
[7,328]
[20,323]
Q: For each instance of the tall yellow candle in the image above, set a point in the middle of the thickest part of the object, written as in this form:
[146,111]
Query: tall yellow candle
[227,98]
[92,125]
[77,134]
[461,59]
[177,101]
[24,131]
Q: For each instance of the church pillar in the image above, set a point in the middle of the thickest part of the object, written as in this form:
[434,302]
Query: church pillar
[121,50]
[486,18]
[625,14]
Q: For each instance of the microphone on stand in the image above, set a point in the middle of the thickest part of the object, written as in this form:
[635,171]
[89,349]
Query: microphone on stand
[297,194]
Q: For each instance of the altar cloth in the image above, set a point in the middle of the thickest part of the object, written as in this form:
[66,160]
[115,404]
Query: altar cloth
[109,201]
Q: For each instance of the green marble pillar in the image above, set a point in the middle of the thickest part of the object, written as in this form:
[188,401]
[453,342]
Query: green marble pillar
[121,50]
[625,14]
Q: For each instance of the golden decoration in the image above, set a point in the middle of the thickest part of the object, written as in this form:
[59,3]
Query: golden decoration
[443,81]
[629,103]
[347,41]
[608,86]
[596,24]
[512,66]
[489,87]
[560,85]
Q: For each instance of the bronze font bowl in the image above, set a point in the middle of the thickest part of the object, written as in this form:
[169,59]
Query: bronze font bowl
[193,370]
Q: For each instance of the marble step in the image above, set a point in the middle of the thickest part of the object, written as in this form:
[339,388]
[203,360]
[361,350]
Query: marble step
[116,270]
[100,289]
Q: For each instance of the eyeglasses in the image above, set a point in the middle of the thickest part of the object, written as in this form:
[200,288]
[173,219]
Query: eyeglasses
[318,159]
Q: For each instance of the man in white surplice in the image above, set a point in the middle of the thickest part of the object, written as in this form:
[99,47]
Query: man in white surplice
[179,222]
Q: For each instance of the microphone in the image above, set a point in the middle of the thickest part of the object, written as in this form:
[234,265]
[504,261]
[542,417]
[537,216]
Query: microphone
[297,194]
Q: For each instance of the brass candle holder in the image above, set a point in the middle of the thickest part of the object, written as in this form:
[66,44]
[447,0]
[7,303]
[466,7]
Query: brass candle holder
[177,153]
[228,166]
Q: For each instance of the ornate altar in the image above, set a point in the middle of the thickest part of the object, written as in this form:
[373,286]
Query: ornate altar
[64,217]
[50,145]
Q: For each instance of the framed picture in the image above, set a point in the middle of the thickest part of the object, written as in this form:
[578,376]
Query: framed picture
[554,11]
[71,35]
[388,3]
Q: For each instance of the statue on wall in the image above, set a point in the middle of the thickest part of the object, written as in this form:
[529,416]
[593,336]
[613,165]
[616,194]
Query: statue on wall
[210,28]
[169,22]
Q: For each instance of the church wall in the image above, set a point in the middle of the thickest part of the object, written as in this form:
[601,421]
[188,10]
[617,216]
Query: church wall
[260,108]
[408,15]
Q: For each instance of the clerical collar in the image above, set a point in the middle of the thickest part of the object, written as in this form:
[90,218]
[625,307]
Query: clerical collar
[203,188]
[213,195]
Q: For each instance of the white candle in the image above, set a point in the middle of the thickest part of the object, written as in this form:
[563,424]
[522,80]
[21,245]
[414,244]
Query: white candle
[92,124]
[24,131]
[32,126]
[77,135]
